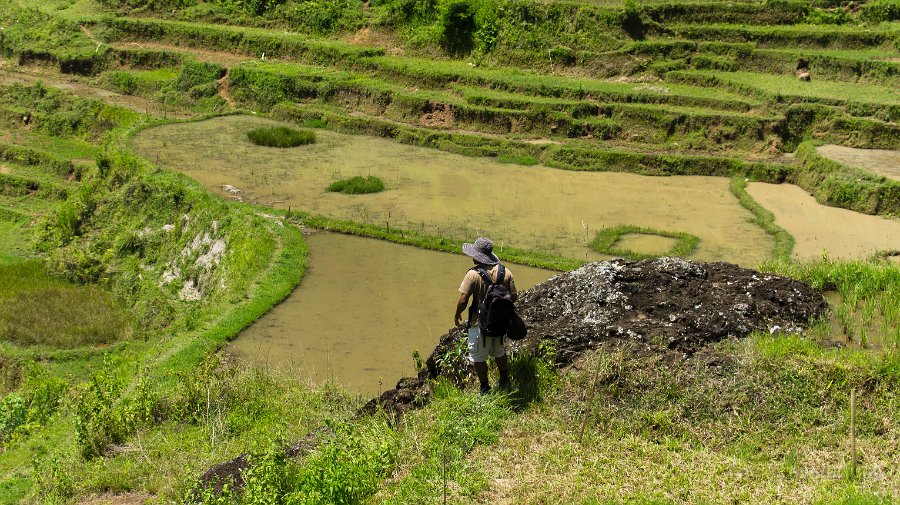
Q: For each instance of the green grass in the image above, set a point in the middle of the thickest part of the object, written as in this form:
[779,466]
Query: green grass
[139,82]
[281,136]
[767,422]
[36,309]
[357,185]
[778,86]
[606,240]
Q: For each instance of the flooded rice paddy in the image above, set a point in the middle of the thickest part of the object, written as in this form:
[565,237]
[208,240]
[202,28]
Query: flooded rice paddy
[362,308]
[445,194]
[365,305]
[879,161]
[817,228]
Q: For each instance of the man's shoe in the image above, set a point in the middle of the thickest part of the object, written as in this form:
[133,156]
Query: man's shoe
[504,384]
[485,389]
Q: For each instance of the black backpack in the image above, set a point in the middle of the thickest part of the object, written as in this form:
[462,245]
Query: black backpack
[497,315]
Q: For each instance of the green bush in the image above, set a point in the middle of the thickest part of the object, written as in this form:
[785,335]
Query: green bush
[458,27]
[827,17]
[195,73]
[880,11]
[281,136]
[24,412]
[357,185]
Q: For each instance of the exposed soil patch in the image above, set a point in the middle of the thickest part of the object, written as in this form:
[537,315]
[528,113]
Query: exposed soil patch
[222,89]
[437,115]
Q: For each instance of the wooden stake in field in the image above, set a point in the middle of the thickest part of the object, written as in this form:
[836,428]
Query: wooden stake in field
[853,432]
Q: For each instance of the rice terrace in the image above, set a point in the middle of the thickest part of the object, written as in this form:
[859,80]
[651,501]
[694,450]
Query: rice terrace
[232,233]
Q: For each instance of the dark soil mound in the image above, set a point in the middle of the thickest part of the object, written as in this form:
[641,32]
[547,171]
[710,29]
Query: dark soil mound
[668,303]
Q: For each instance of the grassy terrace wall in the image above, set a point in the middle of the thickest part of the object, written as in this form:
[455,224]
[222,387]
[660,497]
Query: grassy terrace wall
[244,40]
[841,186]
[568,157]
[874,101]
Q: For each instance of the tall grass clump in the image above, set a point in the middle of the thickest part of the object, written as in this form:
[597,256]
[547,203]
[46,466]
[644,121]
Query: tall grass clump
[357,185]
[870,295]
[281,136]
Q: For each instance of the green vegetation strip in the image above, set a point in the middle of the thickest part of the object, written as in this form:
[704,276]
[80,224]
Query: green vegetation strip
[607,238]
[558,156]
[281,136]
[784,242]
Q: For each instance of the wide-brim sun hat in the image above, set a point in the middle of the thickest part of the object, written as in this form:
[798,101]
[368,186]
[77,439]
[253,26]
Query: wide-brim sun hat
[481,251]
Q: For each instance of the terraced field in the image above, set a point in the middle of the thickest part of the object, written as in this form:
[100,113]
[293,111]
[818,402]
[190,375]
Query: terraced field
[758,133]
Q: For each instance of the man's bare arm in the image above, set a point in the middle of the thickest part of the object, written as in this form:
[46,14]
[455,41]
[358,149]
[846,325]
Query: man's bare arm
[460,307]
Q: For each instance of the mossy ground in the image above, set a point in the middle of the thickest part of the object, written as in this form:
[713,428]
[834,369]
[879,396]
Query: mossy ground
[693,88]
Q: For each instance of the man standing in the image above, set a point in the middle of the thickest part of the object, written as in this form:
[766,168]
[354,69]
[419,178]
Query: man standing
[474,286]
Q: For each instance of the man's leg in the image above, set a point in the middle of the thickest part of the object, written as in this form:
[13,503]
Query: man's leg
[478,356]
[503,368]
[481,369]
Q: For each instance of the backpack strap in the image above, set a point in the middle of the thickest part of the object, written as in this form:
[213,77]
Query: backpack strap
[484,276]
[501,273]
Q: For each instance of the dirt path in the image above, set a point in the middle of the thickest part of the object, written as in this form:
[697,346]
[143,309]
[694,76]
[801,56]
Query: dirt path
[225,58]
[222,89]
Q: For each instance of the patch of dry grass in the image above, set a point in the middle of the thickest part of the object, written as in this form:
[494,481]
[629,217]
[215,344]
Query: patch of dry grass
[761,422]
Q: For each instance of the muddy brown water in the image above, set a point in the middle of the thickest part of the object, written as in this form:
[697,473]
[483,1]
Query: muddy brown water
[880,161]
[363,307]
[440,193]
[817,228]
[646,244]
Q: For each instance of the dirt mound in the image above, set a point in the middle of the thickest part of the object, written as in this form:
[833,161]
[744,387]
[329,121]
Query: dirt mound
[668,303]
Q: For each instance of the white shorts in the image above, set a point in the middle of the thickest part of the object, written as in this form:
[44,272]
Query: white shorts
[480,348]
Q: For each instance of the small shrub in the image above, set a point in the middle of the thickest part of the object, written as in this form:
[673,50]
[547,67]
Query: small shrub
[458,27]
[827,17]
[357,185]
[281,136]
